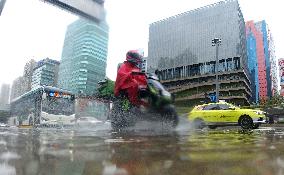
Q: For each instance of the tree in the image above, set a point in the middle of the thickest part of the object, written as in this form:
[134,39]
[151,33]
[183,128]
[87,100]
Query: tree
[106,89]
[276,100]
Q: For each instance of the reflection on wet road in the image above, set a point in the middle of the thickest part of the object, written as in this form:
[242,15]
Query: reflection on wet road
[135,152]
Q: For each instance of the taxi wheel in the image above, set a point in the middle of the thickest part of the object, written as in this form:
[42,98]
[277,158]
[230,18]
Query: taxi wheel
[212,127]
[246,122]
[255,126]
[198,123]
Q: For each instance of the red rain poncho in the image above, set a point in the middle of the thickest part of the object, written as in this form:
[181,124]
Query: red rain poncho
[126,81]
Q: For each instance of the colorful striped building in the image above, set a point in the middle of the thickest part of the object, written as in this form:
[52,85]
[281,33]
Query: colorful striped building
[261,60]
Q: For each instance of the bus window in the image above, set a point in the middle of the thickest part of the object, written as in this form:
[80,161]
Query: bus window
[29,107]
[57,105]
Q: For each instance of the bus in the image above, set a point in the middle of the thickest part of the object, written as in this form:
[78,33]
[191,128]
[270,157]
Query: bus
[45,106]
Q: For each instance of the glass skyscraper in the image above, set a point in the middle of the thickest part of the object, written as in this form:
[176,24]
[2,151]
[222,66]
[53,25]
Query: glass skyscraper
[84,56]
[180,49]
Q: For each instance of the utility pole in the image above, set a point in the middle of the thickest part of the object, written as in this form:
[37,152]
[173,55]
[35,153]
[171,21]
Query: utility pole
[216,42]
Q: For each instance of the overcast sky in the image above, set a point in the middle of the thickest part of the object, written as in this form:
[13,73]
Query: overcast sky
[33,29]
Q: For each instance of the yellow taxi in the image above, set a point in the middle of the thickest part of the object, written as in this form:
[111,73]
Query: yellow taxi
[225,114]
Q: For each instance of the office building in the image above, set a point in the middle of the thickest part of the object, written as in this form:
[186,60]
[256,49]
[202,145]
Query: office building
[4,94]
[23,83]
[274,69]
[260,47]
[27,75]
[281,75]
[45,73]
[180,49]
[84,56]
[17,88]
[256,62]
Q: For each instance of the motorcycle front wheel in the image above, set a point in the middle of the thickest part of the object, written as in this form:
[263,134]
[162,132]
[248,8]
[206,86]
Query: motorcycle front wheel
[121,118]
[169,115]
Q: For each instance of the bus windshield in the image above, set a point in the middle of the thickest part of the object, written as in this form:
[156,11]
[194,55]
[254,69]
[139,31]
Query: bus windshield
[58,105]
[50,101]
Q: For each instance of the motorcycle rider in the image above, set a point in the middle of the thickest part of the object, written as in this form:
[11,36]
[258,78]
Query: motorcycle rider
[129,81]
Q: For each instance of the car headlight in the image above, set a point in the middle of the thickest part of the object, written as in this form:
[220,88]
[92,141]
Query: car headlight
[259,112]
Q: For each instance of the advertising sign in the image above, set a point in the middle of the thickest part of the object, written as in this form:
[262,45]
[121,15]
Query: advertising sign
[59,95]
[212,97]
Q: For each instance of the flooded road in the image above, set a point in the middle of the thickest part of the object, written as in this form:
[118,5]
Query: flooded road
[136,152]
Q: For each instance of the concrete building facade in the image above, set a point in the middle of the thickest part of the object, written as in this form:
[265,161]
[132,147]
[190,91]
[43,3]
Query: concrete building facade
[27,75]
[274,69]
[22,84]
[263,50]
[5,94]
[252,65]
[281,75]
[45,73]
[17,89]
[180,48]
[256,61]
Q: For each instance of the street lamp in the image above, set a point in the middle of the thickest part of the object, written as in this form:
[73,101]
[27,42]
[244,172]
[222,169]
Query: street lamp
[216,42]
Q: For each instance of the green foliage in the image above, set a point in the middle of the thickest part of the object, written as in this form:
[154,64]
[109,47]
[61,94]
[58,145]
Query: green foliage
[276,100]
[125,104]
[106,89]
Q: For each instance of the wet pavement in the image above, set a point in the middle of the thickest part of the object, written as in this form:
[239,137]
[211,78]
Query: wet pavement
[100,151]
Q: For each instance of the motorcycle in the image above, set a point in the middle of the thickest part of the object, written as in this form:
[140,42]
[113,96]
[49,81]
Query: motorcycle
[159,106]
